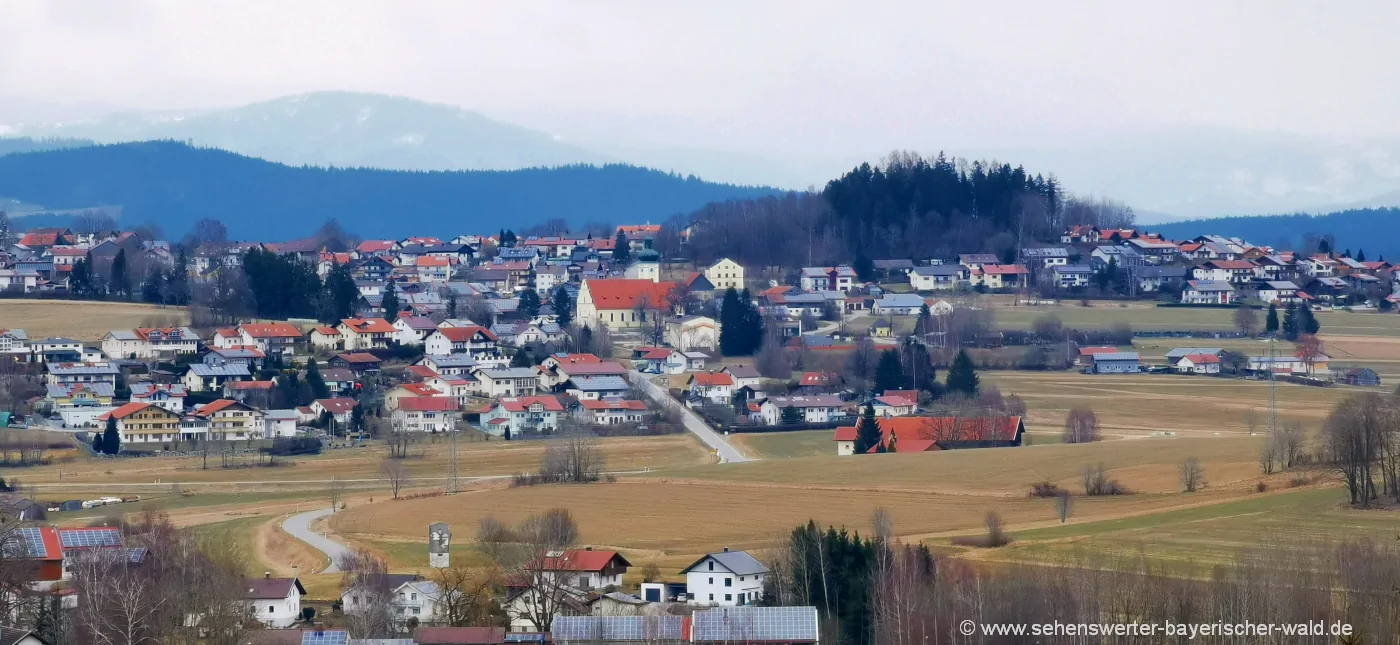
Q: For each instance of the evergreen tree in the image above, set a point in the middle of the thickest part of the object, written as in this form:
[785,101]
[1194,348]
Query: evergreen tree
[889,372]
[791,414]
[506,435]
[177,286]
[732,339]
[153,286]
[97,444]
[111,439]
[1307,322]
[508,238]
[751,320]
[868,433]
[863,266]
[1290,325]
[530,303]
[891,444]
[357,417]
[452,304]
[962,376]
[563,309]
[390,302]
[80,278]
[1323,246]
[120,282]
[1361,255]
[880,448]
[522,358]
[341,294]
[924,324]
[319,389]
[622,249]
[1346,253]
[1271,320]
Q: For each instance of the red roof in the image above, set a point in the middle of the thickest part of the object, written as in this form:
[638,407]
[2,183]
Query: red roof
[815,379]
[339,405]
[919,434]
[421,371]
[712,379]
[459,635]
[251,385]
[1202,358]
[623,293]
[375,246]
[523,403]
[368,325]
[571,359]
[584,560]
[1004,269]
[270,330]
[613,404]
[432,261]
[1092,351]
[630,229]
[465,334]
[216,406]
[359,357]
[420,389]
[327,331]
[896,401]
[1231,264]
[428,404]
[610,368]
[126,410]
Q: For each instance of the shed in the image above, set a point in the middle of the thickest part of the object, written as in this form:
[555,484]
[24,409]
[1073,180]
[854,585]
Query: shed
[1117,363]
[1363,376]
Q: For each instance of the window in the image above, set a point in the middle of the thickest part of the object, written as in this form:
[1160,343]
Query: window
[728,596]
[729,582]
[712,580]
[712,567]
[712,596]
[271,608]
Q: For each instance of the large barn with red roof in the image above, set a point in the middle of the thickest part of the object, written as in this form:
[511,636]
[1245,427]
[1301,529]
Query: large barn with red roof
[924,434]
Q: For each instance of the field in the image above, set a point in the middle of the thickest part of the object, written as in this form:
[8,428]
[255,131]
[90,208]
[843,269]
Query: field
[84,321]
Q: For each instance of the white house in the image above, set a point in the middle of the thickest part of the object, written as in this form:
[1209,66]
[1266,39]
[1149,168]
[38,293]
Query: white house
[1208,292]
[692,332]
[170,397]
[894,405]
[146,342]
[819,408]
[366,333]
[507,381]
[726,274]
[1198,364]
[327,338]
[726,579]
[274,602]
[279,423]
[939,277]
[522,413]
[474,340]
[744,375]
[412,330]
[430,414]
[608,412]
[717,387]
[828,278]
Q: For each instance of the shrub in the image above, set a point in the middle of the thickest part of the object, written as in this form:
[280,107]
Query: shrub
[1261,487]
[1045,489]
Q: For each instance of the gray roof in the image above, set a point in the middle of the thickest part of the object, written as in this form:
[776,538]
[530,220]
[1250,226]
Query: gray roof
[509,372]
[274,415]
[1073,268]
[17,334]
[1116,356]
[1161,272]
[939,269]
[1210,285]
[76,369]
[749,624]
[739,563]
[452,360]
[101,388]
[123,334]
[1183,351]
[1281,285]
[1045,252]
[810,401]
[601,383]
[902,300]
[743,371]
[617,628]
[231,369]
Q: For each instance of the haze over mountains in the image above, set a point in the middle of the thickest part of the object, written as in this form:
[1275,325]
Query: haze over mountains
[1166,175]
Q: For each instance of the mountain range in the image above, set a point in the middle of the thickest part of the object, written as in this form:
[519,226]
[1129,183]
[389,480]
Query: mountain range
[173,185]
[1377,230]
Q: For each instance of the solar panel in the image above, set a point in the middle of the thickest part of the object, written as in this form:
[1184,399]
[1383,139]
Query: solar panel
[793,624]
[88,538]
[32,541]
[326,637]
[382,641]
[616,628]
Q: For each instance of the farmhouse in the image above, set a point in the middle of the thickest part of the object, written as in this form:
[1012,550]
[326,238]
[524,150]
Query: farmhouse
[923,434]
[274,602]
[1198,364]
[725,579]
[726,274]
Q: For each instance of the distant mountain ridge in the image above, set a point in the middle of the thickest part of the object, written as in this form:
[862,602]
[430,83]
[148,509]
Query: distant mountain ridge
[339,129]
[174,185]
[1377,230]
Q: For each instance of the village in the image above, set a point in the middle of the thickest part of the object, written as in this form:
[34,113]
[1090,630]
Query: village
[568,342]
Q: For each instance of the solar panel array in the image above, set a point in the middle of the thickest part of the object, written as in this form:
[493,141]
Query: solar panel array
[738,624]
[616,628]
[326,637]
[382,641]
[88,538]
[32,541]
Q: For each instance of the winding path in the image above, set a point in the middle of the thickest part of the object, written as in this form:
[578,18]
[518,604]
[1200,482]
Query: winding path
[299,527]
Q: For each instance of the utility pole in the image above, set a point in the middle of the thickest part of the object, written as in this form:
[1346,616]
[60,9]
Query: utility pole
[1273,387]
[452,487]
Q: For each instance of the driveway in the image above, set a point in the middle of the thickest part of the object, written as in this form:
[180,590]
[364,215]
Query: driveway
[299,527]
[697,426]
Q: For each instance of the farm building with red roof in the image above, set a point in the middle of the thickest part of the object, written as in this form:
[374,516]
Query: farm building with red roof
[924,434]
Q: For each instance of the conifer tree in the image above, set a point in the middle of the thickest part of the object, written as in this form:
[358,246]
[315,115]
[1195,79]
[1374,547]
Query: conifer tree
[111,439]
[530,303]
[522,358]
[1271,320]
[1361,255]
[868,433]
[120,282]
[563,309]
[1307,322]
[622,249]
[390,302]
[97,444]
[962,376]
[318,384]
[889,372]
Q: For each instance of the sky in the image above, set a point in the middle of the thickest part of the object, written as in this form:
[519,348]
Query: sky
[803,77]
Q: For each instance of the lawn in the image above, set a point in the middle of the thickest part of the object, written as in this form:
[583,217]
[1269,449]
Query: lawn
[782,445]
[86,321]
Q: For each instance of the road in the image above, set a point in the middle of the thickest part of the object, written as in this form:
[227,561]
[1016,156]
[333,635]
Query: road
[377,481]
[727,454]
[299,527]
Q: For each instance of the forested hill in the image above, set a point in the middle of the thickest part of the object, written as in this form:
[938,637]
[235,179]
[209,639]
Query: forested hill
[1377,230]
[173,185]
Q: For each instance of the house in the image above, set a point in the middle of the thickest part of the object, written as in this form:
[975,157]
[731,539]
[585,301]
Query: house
[939,277]
[744,375]
[340,408]
[818,382]
[659,360]
[150,342]
[559,368]
[977,260]
[1362,376]
[507,381]
[210,378]
[327,338]
[594,387]
[227,420]
[14,341]
[1198,364]
[725,579]
[840,278]
[1154,251]
[895,405]
[924,434]
[1158,278]
[725,274]
[407,391]
[69,373]
[1208,292]
[271,338]
[688,333]
[366,333]
[1293,365]
[1087,354]
[622,303]
[449,364]
[517,414]
[1231,271]
[274,602]
[357,363]
[433,270]
[586,569]
[898,304]
[822,408]
[522,333]
[412,330]
[1281,292]
[338,380]
[611,411]
[1080,234]
[1177,353]
[1072,276]
[430,414]
[248,355]
[58,350]
[1045,256]
[1000,276]
[476,341]
[1121,256]
[139,423]
[17,636]
[715,387]
[1117,363]
[80,395]
[169,396]
[279,423]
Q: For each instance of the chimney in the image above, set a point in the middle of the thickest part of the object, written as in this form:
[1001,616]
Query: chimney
[267,575]
[726,549]
[588,548]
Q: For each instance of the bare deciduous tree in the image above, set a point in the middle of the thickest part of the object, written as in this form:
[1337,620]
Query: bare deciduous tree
[576,458]
[335,491]
[1193,475]
[397,473]
[365,583]
[467,594]
[1081,425]
[539,559]
[1063,502]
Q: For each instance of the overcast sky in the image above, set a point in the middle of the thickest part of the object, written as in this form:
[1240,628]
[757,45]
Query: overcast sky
[803,75]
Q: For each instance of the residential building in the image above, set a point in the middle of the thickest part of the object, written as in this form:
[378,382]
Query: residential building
[450,364]
[14,341]
[715,387]
[1117,363]
[1208,292]
[820,408]
[279,424]
[430,414]
[840,278]
[1045,256]
[601,386]
[925,434]
[622,303]
[413,330]
[271,338]
[939,277]
[327,338]
[977,260]
[168,396]
[895,405]
[58,350]
[1159,278]
[407,391]
[366,333]
[1231,271]
[476,341]
[688,333]
[524,413]
[612,411]
[1154,251]
[898,304]
[1198,364]
[148,342]
[725,579]
[139,423]
[79,395]
[507,381]
[229,420]
[211,378]
[357,363]
[1122,256]
[247,355]
[1000,276]
[340,408]
[274,602]
[726,274]
[1282,292]
[1072,276]
[69,373]
[744,375]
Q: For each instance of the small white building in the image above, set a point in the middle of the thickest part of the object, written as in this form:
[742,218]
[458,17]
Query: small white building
[279,423]
[430,414]
[274,602]
[689,333]
[726,579]
[716,387]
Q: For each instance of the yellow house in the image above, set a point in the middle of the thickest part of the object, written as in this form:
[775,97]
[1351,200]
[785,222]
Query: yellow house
[80,395]
[725,274]
[139,423]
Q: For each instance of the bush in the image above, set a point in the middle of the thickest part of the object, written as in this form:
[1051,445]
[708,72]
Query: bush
[1261,487]
[1045,489]
[1098,483]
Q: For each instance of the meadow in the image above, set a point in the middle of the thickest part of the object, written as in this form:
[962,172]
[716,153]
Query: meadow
[83,320]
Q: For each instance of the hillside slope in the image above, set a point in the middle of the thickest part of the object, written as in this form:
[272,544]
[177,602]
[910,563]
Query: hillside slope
[1377,230]
[345,129]
[173,185]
